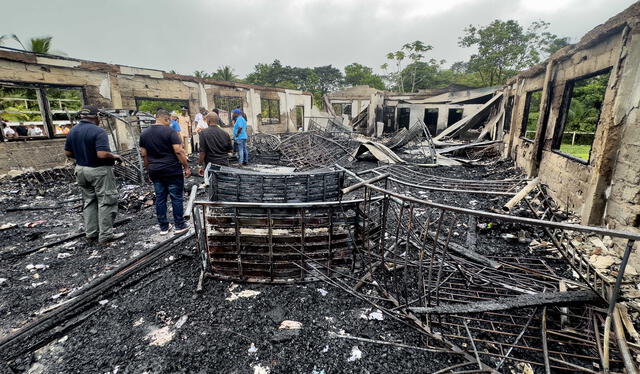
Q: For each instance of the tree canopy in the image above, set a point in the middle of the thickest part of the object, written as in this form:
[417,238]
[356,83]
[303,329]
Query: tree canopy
[505,47]
[38,44]
[356,75]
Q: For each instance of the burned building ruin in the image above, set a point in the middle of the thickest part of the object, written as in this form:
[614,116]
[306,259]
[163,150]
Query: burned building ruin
[458,230]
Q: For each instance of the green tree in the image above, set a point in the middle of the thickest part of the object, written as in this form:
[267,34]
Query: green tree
[318,80]
[225,73]
[555,44]
[201,74]
[7,37]
[408,76]
[586,101]
[40,45]
[37,45]
[329,78]
[356,74]
[505,47]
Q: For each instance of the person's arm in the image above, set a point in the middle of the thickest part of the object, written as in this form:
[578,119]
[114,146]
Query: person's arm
[201,164]
[182,157]
[180,154]
[68,151]
[102,148]
[229,145]
[108,156]
[145,160]
[240,124]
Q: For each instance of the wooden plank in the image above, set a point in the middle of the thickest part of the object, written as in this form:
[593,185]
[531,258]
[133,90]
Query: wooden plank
[506,303]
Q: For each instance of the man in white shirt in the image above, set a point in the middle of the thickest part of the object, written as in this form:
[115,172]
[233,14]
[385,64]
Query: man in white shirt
[199,125]
[34,131]
[7,131]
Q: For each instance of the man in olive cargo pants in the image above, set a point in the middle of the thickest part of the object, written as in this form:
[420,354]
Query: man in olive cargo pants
[88,144]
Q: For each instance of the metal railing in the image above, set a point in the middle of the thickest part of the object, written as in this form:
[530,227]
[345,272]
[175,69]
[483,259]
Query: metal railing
[428,256]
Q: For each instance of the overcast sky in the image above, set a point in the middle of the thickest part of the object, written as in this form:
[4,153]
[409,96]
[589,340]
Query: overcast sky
[189,35]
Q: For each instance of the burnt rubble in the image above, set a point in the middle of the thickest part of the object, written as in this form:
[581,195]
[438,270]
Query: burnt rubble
[342,265]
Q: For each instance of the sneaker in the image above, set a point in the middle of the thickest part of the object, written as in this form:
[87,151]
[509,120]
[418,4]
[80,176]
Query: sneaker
[182,230]
[113,238]
[91,239]
[165,232]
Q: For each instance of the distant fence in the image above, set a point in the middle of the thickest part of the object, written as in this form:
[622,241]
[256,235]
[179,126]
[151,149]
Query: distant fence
[570,137]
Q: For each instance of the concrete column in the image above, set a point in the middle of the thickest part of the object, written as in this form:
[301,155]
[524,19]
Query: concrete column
[443,117]
[543,120]
[123,133]
[202,96]
[614,120]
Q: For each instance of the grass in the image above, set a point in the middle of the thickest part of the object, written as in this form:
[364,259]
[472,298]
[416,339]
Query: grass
[576,150]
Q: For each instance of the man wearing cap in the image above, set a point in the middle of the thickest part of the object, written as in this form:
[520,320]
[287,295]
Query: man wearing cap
[164,159]
[184,120]
[240,136]
[88,145]
[215,144]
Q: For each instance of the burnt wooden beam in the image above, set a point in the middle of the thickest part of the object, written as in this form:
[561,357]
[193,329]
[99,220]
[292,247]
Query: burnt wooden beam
[506,303]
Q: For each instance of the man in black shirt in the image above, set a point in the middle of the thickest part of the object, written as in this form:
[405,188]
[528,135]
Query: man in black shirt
[22,129]
[215,144]
[164,159]
[88,144]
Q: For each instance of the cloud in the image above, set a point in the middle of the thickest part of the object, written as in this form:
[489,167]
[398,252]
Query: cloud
[191,35]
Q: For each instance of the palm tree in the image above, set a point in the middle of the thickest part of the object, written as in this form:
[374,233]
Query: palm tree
[6,37]
[200,74]
[37,45]
[40,45]
[225,73]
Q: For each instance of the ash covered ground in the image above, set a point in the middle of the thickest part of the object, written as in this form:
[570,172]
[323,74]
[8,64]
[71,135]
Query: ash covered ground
[156,323]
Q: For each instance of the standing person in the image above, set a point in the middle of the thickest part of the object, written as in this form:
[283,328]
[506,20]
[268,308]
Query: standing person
[7,131]
[174,122]
[185,129]
[240,136]
[164,160]
[215,144]
[198,125]
[220,122]
[88,144]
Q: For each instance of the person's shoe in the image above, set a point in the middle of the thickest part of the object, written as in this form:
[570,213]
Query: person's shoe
[165,232]
[113,238]
[245,163]
[181,230]
[91,239]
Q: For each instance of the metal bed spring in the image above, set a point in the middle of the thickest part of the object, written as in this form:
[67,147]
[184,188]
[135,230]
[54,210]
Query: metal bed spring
[416,178]
[413,263]
[262,242]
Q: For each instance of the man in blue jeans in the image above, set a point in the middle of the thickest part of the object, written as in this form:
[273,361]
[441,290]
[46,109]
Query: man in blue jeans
[164,160]
[240,136]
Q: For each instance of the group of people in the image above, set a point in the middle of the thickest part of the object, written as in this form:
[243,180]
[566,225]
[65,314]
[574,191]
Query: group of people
[163,149]
[188,130]
[21,130]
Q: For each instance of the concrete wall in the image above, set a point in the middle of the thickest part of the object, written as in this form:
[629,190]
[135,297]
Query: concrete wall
[40,154]
[605,189]
[117,87]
